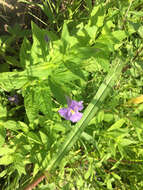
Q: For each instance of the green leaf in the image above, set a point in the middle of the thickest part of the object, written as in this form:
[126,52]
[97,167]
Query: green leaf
[12,125]
[3,111]
[2,135]
[58,91]
[140,31]
[126,142]
[30,104]
[108,117]
[39,50]
[6,150]
[3,173]
[89,4]
[6,160]
[89,113]
[12,80]
[117,125]
[37,98]
[100,116]
[75,69]
[34,137]
[44,137]
[97,15]
[65,37]
[43,99]
[23,126]
[25,53]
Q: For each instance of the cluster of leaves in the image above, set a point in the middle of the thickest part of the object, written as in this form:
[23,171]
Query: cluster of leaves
[105,146]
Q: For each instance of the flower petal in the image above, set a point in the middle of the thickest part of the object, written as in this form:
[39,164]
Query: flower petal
[76,117]
[65,112]
[76,106]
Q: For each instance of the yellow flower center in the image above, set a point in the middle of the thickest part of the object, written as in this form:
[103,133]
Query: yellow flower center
[72,111]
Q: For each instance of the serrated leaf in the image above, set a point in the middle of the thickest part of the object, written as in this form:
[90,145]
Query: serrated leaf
[30,104]
[43,99]
[12,80]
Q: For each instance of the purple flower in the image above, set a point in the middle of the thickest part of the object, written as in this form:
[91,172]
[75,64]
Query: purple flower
[13,99]
[72,111]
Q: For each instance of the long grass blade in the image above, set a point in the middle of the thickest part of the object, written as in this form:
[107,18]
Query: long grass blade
[89,113]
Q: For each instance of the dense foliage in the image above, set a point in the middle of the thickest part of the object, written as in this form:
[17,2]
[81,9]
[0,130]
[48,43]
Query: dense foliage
[91,52]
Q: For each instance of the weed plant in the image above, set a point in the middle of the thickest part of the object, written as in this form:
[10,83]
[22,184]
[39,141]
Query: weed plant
[89,53]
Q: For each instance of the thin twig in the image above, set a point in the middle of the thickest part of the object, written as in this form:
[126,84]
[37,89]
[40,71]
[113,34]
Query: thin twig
[35,182]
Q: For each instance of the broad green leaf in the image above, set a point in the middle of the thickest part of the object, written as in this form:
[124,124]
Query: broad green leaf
[112,40]
[91,31]
[89,113]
